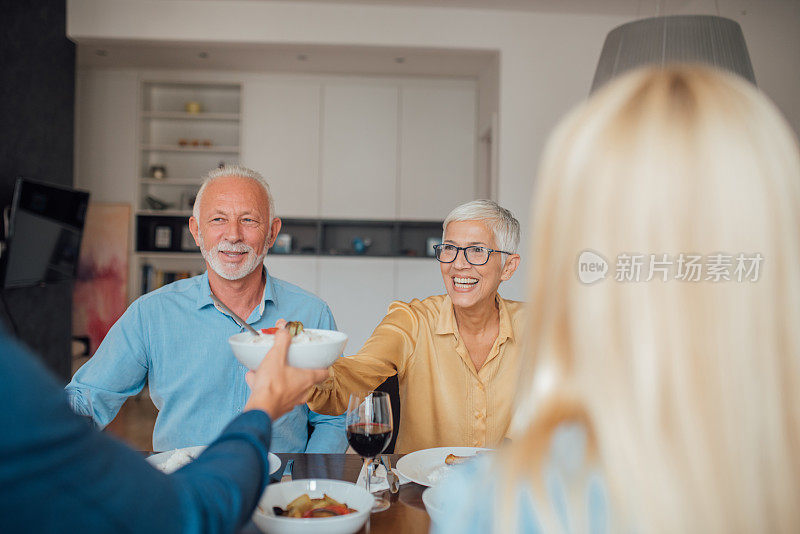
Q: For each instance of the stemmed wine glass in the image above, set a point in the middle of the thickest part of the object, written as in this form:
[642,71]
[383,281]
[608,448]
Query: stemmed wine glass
[369,431]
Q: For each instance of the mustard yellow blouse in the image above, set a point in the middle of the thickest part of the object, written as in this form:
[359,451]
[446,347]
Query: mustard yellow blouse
[444,400]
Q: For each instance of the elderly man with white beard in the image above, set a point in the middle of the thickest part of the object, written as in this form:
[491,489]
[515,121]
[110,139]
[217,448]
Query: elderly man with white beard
[175,338]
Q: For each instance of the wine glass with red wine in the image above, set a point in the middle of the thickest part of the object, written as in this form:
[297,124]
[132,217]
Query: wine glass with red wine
[369,431]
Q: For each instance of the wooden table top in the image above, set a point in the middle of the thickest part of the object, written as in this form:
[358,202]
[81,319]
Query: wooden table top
[406,515]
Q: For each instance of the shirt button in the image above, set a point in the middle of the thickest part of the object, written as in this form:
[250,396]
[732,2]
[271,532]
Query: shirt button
[480,387]
[478,415]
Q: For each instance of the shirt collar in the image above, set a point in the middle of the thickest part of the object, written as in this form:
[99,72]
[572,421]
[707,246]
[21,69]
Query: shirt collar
[506,329]
[204,295]
[447,319]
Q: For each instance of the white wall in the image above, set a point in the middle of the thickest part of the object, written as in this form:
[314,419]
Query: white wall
[546,60]
[105,133]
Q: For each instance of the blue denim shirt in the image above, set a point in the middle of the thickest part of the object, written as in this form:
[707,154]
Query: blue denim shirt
[177,340]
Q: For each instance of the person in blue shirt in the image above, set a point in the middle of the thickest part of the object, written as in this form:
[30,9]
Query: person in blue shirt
[176,340]
[661,388]
[58,474]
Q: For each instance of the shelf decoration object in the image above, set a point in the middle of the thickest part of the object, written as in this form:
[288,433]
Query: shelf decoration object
[163,237]
[283,244]
[159,172]
[187,200]
[156,204]
[361,244]
[193,107]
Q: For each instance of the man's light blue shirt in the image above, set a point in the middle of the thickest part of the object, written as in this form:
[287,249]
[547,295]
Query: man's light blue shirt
[176,340]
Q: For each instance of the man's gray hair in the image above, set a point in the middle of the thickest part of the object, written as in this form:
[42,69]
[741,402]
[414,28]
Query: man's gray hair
[233,170]
[499,220]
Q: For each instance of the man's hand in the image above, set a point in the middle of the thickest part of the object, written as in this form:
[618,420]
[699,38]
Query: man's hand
[277,387]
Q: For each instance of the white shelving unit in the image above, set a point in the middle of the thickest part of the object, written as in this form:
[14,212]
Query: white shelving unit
[187,143]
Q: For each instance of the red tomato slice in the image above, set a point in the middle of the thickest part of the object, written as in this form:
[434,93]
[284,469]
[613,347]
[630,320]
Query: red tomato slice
[272,330]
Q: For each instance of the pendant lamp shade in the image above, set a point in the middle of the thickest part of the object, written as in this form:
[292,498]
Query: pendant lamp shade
[680,38]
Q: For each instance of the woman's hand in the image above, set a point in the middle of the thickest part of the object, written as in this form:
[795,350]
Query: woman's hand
[276,386]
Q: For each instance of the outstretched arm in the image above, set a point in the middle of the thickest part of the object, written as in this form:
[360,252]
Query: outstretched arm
[384,354]
[57,474]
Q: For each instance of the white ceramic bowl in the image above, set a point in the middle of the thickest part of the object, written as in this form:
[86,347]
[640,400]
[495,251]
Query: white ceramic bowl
[285,492]
[307,355]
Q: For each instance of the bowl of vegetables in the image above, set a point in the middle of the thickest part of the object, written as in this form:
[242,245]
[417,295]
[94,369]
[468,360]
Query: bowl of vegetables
[313,506]
[311,348]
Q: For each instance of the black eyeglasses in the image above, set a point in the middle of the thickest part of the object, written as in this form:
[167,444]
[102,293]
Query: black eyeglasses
[474,254]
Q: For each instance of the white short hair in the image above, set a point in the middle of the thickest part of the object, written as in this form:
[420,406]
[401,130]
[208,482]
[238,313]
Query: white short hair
[499,220]
[240,172]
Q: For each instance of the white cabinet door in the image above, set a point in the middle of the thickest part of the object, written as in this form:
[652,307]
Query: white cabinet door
[359,291]
[359,150]
[437,162]
[418,278]
[299,270]
[280,139]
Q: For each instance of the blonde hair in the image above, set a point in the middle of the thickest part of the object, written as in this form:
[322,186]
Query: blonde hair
[690,391]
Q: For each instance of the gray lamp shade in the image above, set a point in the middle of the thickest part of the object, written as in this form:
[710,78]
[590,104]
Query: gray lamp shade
[680,38]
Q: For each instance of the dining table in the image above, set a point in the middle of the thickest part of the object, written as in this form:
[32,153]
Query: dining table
[405,515]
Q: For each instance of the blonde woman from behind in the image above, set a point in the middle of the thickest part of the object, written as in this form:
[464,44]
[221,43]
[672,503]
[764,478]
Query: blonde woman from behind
[666,400]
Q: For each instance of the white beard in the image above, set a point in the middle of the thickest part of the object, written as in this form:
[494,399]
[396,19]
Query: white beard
[231,272]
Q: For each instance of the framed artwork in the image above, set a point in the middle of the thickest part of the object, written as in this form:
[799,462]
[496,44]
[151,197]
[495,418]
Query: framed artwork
[99,297]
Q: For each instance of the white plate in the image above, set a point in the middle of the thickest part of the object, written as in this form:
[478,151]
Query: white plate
[423,466]
[159,459]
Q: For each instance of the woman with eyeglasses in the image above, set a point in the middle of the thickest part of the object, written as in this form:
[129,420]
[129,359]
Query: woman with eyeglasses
[455,355]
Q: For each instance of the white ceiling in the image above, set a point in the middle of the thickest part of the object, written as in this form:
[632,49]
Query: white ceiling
[294,58]
[330,59]
[609,7]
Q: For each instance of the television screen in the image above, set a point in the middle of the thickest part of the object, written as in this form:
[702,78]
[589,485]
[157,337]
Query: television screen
[44,234]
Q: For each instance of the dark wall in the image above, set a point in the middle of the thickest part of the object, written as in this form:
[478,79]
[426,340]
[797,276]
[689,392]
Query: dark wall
[37,100]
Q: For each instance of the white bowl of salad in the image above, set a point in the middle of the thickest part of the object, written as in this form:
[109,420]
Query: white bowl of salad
[313,506]
[311,348]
